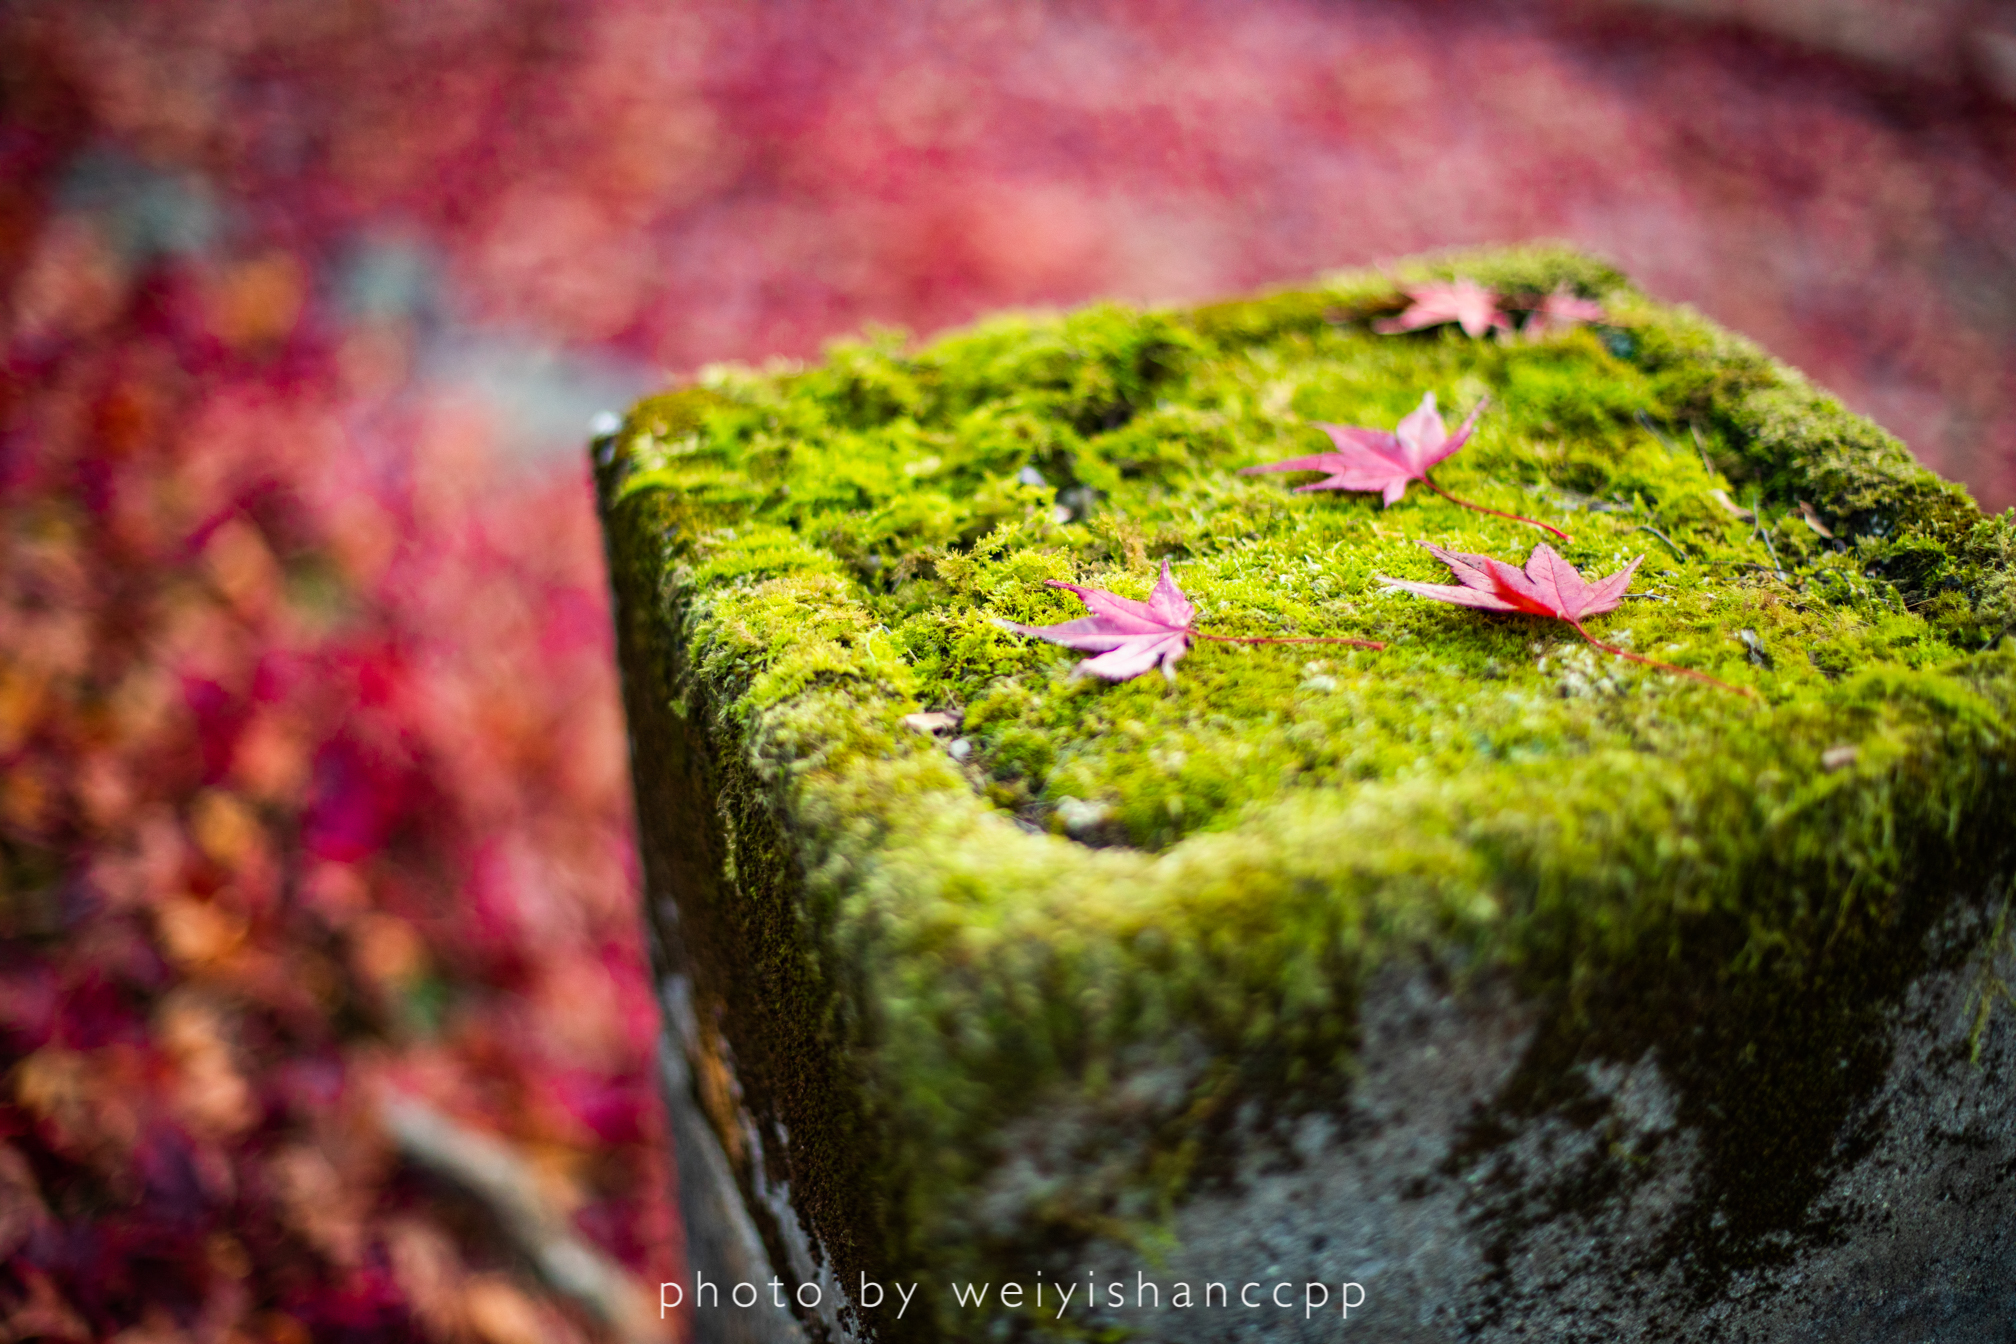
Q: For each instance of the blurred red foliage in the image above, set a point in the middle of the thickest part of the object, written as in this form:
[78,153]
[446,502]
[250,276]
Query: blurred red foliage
[311,768]
[313,792]
[702,180]
[313,787]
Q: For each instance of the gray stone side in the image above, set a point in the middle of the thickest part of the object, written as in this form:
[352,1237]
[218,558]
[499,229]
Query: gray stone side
[1598,1218]
[723,1246]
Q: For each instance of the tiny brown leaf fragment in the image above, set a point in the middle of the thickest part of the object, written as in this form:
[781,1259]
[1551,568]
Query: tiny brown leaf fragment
[1729,505]
[1812,518]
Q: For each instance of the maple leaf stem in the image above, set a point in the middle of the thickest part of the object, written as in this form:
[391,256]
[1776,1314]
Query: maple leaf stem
[1429,481]
[1291,639]
[1654,662]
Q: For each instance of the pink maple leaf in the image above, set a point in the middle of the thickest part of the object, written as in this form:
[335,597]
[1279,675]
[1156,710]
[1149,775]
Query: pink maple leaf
[1462,301]
[1548,586]
[1131,637]
[1373,459]
[1562,311]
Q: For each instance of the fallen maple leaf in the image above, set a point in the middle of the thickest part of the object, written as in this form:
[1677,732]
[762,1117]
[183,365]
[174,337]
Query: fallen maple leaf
[1548,586]
[1131,637]
[1373,459]
[1562,310]
[1464,302]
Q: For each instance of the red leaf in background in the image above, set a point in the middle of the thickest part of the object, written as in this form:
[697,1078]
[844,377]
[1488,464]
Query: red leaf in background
[1548,586]
[1464,302]
[1132,636]
[1372,459]
[1562,311]
[1129,636]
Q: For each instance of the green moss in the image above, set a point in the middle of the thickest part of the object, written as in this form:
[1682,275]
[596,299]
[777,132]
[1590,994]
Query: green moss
[805,557]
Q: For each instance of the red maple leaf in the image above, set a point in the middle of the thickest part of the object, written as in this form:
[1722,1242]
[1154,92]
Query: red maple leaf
[1548,586]
[1561,311]
[1464,302]
[1131,637]
[1373,459]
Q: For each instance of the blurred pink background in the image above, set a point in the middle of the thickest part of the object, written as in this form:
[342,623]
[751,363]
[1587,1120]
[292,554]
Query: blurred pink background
[314,788]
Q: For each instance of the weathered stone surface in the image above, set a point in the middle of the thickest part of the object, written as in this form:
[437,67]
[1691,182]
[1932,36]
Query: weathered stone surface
[1535,993]
[1470,1214]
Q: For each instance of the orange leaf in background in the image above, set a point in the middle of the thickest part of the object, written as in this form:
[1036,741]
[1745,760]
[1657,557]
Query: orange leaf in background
[210,1091]
[258,302]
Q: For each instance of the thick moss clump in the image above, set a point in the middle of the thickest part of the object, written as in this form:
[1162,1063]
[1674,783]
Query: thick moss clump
[1145,906]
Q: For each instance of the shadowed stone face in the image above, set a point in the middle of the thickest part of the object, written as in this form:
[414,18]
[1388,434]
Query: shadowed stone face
[1515,985]
[1471,1219]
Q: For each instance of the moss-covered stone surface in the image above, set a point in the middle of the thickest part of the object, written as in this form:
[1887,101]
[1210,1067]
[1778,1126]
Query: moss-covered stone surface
[1151,906]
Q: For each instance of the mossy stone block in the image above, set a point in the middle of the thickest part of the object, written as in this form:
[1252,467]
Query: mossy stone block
[1022,984]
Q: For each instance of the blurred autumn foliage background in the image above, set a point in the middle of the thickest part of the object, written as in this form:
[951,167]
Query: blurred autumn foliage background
[312,780]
